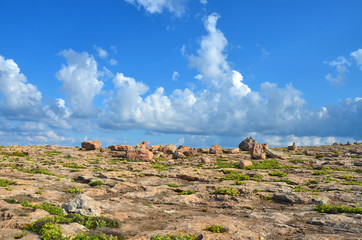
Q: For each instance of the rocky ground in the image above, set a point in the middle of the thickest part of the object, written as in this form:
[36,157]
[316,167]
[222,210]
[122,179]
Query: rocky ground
[160,190]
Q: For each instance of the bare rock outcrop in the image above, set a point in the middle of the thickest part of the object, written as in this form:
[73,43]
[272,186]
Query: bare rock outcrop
[84,205]
[274,154]
[139,154]
[247,144]
[293,147]
[216,149]
[91,145]
[257,152]
[143,144]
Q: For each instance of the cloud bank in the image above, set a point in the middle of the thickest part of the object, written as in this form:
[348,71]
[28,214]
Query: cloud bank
[176,7]
[225,108]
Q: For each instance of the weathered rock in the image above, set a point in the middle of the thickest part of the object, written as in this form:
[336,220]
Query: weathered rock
[155,148]
[120,147]
[169,149]
[216,149]
[84,205]
[231,150]
[143,144]
[190,152]
[139,154]
[202,150]
[177,155]
[257,152]
[205,160]
[293,147]
[247,144]
[274,154]
[244,163]
[72,229]
[265,146]
[91,145]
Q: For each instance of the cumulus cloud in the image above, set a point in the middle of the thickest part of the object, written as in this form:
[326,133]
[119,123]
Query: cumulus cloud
[203,2]
[176,7]
[19,99]
[227,107]
[341,66]
[357,56]
[101,52]
[113,61]
[80,82]
[175,76]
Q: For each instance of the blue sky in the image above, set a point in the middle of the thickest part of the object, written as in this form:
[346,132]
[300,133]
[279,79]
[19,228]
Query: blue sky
[191,72]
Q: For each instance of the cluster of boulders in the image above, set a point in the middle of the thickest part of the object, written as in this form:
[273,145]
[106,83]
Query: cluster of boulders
[144,152]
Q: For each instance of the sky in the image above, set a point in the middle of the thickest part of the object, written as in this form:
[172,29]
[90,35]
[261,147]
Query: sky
[190,72]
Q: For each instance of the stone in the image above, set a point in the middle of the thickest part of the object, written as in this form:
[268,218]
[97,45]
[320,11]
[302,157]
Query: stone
[169,149]
[247,144]
[120,147]
[91,145]
[216,149]
[84,205]
[143,144]
[257,152]
[293,147]
[231,150]
[244,163]
[72,229]
[155,148]
[205,160]
[265,146]
[190,152]
[139,154]
[274,154]
[178,154]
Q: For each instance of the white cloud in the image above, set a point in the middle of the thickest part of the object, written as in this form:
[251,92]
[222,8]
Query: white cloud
[203,2]
[80,82]
[101,52]
[113,61]
[19,99]
[175,76]
[357,55]
[341,65]
[176,7]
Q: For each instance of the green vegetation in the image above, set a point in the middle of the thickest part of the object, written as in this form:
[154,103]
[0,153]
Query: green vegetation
[318,156]
[40,171]
[268,197]
[321,172]
[52,153]
[159,166]
[334,151]
[278,173]
[216,229]
[102,236]
[96,183]
[346,177]
[188,192]
[286,180]
[326,208]
[234,175]
[141,175]
[5,182]
[299,189]
[50,208]
[359,183]
[174,237]
[172,185]
[311,181]
[18,154]
[239,183]
[227,191]
[73,165]
[74,189]
[224,163]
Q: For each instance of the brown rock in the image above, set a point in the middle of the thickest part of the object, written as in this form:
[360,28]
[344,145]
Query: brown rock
[257,152]
[216,149]
[247,144]
[231,150]
[178,154]
[190,152]
[274,154]
[91,145]
[120,147]
[143,144]
[139,154]
[244,163]
[169,148]
[293,147]
[155,148]
[265,146]
[205,160]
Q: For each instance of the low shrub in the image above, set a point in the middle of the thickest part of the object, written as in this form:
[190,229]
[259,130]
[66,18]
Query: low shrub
[216,229]
[330,208]
[227,191]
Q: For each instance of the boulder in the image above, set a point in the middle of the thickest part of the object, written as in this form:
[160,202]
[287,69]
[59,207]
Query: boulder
[247,144]
[83,205]
[155,148]
[178,154]
[143,144]
[257,152]
[120,147]
[139,154]
[293,147]
[216,149]
[169,148]
[244,163]
[91,145]
[274,154]
[205,160]
[190,152]
[231,150]
[265,146]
